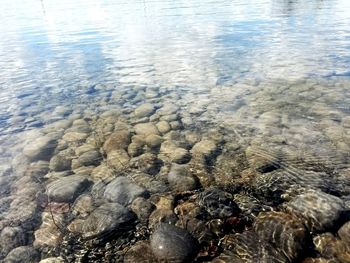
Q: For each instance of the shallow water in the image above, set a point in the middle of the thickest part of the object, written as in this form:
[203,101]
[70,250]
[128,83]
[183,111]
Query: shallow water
[251,98]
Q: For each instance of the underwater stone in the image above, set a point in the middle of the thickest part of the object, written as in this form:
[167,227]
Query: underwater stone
[59,163]
[204,148]
[344,232]
[283,230]
[23,254]
[146,129]
[153,140]
[67,188]
[109,217]
[140,252]
[173,244]
[10,238]
[90,158]
[180,178]
[117,140]
[41,148]
[118,159]
[319,210]
[217,203]
[123,191]
[145,110]
[163,127]
[52,260]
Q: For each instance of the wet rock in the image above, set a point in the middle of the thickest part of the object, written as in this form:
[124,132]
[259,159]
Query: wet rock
[38,169]
[161,215]
[169,151]
[248,248]
[180,178]
[250,206]
[103,172]
[40,149]
[117,140]
[318,260]
[52,260]
[66,189]
[163,127]
[140,252]
[75,136]
[49,234]
[173,244]
[118,159]
[284,231]
[106,219]
[10,238]
[145,110]
[5,185]
[83,206]
[330,247]
[123,191]
[153,141]
[90,158]
[146,129]
[142,208]
[152,184]
[135,149]
[319,210]
[23,254]
[217,203]
[146,163]
[344,232]
[60,163]
[204,148]
[86,147]
[168,109]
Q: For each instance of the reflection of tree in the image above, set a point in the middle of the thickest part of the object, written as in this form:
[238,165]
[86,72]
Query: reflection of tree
[290,7]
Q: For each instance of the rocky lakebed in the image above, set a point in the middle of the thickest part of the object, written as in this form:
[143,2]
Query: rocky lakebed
[258,172]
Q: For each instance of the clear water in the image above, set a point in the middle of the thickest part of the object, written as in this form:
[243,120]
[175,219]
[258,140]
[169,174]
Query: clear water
[266,79]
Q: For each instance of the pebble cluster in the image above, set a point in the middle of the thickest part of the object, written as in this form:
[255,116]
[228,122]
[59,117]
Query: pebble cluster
[159,180]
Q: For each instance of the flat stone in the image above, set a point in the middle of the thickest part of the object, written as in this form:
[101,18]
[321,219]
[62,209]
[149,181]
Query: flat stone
[171,243]
[106,219]
[146,129]
[168,109]
[145,110]
[92,157]
[67,188]
[123,191]
[75,136]
[40,149]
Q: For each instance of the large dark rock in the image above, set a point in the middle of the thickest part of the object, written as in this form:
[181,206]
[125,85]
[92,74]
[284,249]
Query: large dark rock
[173,244]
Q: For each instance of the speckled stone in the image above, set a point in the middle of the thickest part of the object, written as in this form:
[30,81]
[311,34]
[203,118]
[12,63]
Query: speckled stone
[318,210]
[173,244]
[23,254]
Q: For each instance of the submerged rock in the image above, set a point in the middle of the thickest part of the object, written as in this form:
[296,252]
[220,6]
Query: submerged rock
[104,220]
[173,244]
[284,231]
[67,188]
[217,203]
[41,148]
[146,129]
[24,254]
[344,232]
[140,252]
[123,191]
[318,210]
[10,238]
[117,140]
[180,178]
[248,248]
[145,110]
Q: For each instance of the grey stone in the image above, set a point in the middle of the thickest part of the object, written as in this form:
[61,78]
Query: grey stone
[108,218]
[60,163]
[90,158]
[180,178]
[23,254]
[123,191]
[173,244]
[67,188]
[117,140]
[318,210]
[145,110]
[41,148]
[10,238]
[146,129]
